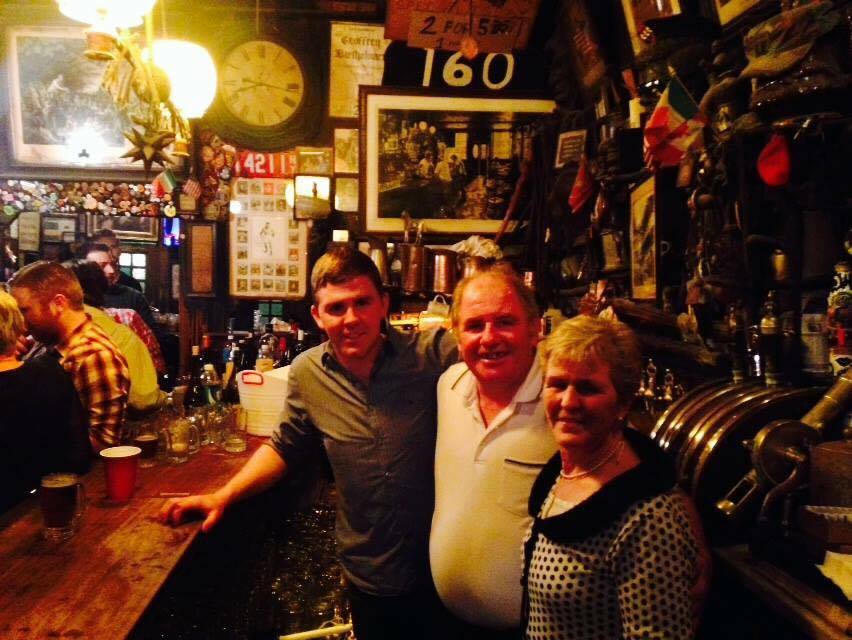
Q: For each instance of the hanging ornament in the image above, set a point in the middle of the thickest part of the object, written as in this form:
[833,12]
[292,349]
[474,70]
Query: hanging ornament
[149,147]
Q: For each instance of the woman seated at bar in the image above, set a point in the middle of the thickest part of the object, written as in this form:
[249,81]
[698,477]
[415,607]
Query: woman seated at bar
[611,552]
[42,425]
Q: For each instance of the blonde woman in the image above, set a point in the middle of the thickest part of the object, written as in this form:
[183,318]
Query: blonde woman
[42,427]
[611,552]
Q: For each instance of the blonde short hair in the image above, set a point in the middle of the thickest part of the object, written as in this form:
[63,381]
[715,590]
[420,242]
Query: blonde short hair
[11,323]
[610,341]
[503,271]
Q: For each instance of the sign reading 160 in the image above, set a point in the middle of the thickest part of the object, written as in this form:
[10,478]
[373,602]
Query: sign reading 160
[459,74]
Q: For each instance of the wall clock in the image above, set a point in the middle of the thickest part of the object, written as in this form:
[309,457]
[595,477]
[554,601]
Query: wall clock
[267,96]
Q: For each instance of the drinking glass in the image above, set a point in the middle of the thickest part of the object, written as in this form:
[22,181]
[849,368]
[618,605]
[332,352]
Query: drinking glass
[63,501]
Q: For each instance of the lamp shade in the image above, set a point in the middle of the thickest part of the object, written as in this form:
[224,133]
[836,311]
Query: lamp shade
[191,72]
[116,13]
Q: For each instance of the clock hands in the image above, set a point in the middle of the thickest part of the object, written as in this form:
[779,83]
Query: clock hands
[255,83]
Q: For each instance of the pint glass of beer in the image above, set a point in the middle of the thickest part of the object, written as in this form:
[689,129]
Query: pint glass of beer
[62,504]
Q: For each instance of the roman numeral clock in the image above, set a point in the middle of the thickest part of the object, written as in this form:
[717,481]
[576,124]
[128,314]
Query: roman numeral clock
[268,96]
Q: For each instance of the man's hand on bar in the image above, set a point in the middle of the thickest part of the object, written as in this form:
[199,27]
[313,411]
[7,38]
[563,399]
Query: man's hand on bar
[211,505]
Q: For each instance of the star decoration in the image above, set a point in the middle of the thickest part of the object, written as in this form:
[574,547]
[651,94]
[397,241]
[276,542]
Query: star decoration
[149,147]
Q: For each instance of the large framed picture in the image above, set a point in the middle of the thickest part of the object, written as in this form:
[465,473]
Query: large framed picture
[643,241]
[59,114]
[638,12]
[451,161]
[129,228]
[729,10]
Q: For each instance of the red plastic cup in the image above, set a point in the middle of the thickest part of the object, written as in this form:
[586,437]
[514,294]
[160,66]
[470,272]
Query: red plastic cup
[120,464]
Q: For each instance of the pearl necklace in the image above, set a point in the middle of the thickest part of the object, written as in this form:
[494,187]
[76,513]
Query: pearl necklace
[613,452]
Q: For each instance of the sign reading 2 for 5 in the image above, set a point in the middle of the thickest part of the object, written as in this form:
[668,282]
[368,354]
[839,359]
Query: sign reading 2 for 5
[442,24]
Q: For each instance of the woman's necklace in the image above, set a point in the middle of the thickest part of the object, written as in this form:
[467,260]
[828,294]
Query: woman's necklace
[612,452]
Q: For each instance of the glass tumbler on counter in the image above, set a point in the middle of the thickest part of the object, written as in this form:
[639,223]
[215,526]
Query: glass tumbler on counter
[234,434]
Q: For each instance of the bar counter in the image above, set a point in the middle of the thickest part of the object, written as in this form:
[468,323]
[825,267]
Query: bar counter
[98,583]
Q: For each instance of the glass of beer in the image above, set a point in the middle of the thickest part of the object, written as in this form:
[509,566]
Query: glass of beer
[147,440]
[63,501]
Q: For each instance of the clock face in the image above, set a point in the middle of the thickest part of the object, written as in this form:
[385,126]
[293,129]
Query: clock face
[261,83]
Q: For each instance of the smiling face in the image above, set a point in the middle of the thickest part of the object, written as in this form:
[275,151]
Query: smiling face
[497,339]
[581,404]
[351,313]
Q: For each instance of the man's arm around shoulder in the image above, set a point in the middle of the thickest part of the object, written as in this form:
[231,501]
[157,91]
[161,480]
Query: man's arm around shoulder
[261,471]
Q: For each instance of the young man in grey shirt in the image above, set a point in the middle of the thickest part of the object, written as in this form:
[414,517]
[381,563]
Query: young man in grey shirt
[368,396]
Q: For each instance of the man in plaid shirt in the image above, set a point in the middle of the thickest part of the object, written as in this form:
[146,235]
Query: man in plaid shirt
[51,301]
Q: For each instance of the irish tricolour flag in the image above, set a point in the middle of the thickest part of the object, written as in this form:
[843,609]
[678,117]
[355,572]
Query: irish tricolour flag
[675,127]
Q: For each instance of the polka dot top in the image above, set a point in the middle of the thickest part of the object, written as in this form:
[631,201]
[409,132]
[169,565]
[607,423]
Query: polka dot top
[618,565]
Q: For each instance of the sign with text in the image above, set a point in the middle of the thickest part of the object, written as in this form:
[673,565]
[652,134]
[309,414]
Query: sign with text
[357,57]
[443,24]
[254,164]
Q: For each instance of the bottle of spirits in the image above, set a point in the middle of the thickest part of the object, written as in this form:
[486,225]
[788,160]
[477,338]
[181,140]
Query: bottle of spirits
[195,394]
[737,345]
[770,340]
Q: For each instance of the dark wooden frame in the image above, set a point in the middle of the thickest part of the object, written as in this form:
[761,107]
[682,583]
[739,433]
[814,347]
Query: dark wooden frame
[415,100]
[644,255]
[193,253]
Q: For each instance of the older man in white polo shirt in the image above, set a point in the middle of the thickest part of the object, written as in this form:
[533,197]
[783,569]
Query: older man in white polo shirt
[493,440]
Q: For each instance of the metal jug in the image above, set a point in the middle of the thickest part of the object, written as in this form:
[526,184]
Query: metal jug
[413,260]
[379,255]
[443,263]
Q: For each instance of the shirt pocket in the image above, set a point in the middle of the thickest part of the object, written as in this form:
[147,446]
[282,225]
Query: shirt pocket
[516,480]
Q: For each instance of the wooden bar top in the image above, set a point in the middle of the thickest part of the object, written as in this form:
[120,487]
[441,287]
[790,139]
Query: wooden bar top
[98,583]
[802,605]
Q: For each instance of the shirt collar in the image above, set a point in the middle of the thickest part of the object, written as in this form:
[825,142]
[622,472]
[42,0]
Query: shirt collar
[77,332]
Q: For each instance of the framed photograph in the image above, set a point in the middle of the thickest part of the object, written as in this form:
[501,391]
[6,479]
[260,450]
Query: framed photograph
[729,10]
[315,160]
[199,260]
[570,147]
[643,241]
[267,246]
[312,197]
[59,228]
[450,161]
[346,194]
[638,12]
[346,150]
[58,112]
[129,228]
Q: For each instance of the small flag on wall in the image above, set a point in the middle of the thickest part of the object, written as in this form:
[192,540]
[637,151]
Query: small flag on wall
[192,188]
[584,186]
[164,183]
[675,127]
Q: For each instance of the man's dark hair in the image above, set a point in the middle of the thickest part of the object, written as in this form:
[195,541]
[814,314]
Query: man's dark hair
[340,264]
[93,281]
[88,247]
[100,234]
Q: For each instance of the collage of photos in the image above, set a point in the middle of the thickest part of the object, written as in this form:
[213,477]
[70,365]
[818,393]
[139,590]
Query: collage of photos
[268,245]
